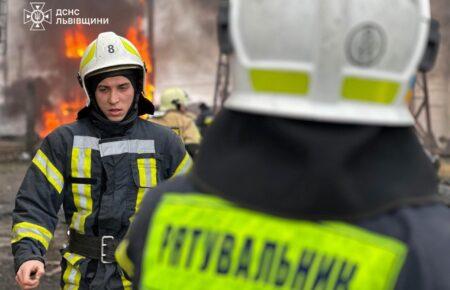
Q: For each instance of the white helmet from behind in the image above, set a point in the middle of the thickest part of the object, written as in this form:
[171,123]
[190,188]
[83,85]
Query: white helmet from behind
[346,61]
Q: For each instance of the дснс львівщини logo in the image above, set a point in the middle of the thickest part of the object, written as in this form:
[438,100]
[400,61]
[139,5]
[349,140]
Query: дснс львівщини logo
[38,16]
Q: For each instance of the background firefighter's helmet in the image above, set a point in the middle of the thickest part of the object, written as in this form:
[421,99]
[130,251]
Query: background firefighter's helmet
[173,97]
[110,52]
[333,61]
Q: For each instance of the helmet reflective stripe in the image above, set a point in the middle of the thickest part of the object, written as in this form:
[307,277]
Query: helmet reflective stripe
[376,91]
[336,61]
[109,52]
[128,46]
[89,55]
[290,82]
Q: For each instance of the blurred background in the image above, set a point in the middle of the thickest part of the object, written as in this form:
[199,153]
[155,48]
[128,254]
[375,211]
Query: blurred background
[39,89]
[178,40]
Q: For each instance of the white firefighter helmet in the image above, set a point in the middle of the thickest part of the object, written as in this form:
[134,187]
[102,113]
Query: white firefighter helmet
[109,52]
[349,61]
[171,98]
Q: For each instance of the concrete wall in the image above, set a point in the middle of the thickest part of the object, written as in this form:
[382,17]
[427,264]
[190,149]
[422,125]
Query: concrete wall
[186,49]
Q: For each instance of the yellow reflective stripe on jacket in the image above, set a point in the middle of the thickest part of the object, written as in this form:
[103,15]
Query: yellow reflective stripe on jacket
[139,197]
[184,166]
[199,240]
[153,173]
[82,193]
[126,284]
[73,258]
[29,230]
[148,178]
[72,275]
[49,170]
[143,175]
[122,258]
[71,278]
[147,172]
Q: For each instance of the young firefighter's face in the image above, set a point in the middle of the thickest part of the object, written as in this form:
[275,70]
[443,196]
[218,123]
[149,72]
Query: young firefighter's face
[114,96]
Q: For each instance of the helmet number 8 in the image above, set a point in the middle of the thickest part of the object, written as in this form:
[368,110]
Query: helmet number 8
[111,48]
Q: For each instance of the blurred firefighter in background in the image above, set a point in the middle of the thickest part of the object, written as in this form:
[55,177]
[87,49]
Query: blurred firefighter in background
[318,179]
[98,168]
[174,114]
[204,118]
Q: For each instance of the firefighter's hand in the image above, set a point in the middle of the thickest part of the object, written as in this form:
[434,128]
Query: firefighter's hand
[29,274]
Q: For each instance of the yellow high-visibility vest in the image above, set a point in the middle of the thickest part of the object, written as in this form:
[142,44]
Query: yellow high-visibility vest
[203,242]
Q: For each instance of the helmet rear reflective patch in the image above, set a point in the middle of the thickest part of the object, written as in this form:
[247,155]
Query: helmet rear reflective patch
[279,81]
[367,90]
[343,61]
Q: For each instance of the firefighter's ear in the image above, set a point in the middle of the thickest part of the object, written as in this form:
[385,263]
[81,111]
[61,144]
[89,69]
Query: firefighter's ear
[432,49]
[223,30]
[80,81]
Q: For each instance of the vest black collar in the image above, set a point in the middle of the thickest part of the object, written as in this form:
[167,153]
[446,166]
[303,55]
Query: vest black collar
[313,170]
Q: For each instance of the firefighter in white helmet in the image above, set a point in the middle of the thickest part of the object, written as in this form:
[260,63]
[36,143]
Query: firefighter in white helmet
[98,169]
[173,113]
[311,177]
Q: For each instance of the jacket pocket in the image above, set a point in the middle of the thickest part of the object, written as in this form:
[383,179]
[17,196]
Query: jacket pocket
[145,172]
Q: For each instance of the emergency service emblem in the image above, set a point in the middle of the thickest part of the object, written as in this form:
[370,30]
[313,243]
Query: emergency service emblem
[366,45]
[37,16]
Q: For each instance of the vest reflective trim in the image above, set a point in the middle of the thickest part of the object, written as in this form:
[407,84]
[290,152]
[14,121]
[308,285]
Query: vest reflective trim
[184,166]
[29,230]
[127,146]
[147,172]
[85,142]
[82,193]
[203,242]
[49,170]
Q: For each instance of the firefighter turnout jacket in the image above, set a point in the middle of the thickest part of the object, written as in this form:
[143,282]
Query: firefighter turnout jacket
[181,123]
[100,183]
